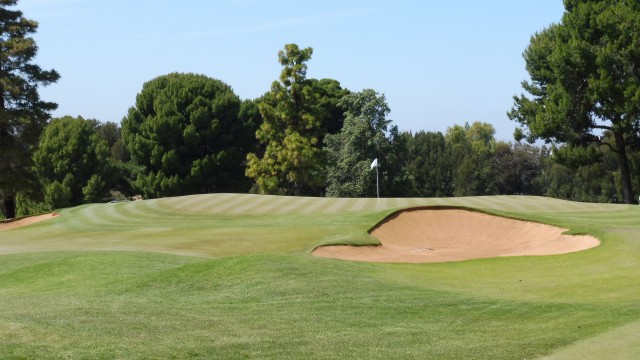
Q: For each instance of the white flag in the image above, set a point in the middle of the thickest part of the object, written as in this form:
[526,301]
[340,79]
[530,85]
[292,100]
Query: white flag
[374,163]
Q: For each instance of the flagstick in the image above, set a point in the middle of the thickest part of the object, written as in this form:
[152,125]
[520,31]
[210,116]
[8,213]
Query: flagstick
[377,184]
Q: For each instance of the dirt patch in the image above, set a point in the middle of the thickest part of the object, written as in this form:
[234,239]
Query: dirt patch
[19,222]
[441,235]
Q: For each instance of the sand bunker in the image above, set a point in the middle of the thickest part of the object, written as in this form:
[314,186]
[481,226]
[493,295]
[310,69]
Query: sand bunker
[16,223]
[440,235]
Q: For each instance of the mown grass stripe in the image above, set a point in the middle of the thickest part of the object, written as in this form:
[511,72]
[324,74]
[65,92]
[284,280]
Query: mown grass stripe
[530,203]
[282,203]
[430,201]
[271,206]
[481,202]
[155,207]
[191,204]
[404,202]
[417,202]
[295,205]
[132,221]
[91,215]
[210,203]
[392,202]
[360,204]
[250,204]
[380,204]
[218,202]
[318,206]
[137,210]
[339,204]
[230,201]
[495,203]
[182,202]
[114,213]
[552,205]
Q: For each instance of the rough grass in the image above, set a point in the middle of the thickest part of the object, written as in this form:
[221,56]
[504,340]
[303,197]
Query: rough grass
[250,289]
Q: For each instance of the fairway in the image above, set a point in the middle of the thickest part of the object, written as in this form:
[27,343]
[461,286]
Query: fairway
[232,276]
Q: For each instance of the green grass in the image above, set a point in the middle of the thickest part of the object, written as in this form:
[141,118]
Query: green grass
[231,276]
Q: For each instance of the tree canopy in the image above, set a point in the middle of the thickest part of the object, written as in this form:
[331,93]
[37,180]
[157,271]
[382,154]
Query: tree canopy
[185,132]
[23,114]
[471,151]
[585,81]
[367,134]
[72,163]
[429,164]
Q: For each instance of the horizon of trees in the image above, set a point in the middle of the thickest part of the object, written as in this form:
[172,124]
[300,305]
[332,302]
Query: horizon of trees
[91,164]
[189,133]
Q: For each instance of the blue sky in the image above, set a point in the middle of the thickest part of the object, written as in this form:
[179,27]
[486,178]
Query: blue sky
[439,63]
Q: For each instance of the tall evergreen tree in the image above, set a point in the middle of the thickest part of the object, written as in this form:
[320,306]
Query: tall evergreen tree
[291,131]
[585,80]
[22,114]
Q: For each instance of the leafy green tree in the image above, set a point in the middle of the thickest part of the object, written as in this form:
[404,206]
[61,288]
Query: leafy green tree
[366,135]
[22,114]
[112,134]
[559,180]
[72,163]
[584,174]
[124,172]
[517,168]
[590,183]
[251,119]
[31,204]
[471,150]
[329,94]
[293,161]
[429,164]
[585,79]
[186,134]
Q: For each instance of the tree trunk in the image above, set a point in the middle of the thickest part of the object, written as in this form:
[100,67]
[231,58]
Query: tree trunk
[625,173]
[8,205]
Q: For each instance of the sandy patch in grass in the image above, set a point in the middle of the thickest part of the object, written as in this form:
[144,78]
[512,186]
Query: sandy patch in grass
[441,235]
[20,222]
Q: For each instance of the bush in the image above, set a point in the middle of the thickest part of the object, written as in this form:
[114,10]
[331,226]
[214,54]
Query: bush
[26,206]
[58,195]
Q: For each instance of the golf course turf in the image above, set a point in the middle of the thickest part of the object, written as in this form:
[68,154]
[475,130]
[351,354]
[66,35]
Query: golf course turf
[232,276]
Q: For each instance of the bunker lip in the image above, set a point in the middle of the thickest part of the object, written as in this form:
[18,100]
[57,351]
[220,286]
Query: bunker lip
[24,221]
[425,235]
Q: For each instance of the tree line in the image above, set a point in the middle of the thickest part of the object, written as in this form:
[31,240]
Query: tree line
[81,160]
[190,133]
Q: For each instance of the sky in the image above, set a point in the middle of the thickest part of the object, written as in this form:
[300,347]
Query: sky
[439,63]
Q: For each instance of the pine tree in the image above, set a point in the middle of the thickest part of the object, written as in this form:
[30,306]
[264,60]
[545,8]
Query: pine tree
[22,114]
[291,131]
